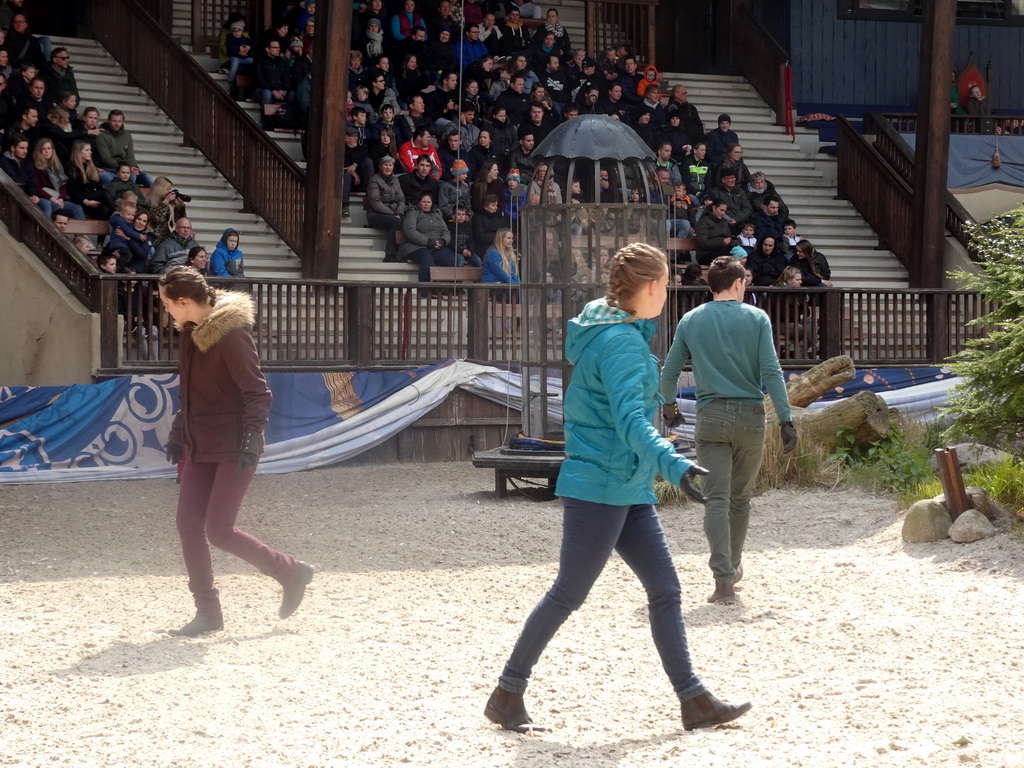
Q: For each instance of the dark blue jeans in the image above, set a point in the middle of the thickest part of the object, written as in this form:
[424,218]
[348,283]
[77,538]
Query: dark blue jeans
[590,532]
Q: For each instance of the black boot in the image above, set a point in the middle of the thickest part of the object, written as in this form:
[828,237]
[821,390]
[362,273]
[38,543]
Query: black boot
[200,625]
[295,590]
[507,710]
[723,593]
[705,710]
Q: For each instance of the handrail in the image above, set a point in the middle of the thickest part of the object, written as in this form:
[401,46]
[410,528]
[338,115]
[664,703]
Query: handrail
[609,21]
[762,60]
[877,191]
[270,182]
[977,125]
[27,224]
[898,154]
[305,324]
[162,12]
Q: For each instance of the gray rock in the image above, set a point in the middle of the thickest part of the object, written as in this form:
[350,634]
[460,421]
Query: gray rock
[979,500]
[974,454]
[926,521]
[971,526]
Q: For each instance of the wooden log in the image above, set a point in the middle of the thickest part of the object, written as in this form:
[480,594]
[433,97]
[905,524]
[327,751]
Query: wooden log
[810,385]
[865,413]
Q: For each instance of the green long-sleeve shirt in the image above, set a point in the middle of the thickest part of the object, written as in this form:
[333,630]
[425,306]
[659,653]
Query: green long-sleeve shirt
[732,349]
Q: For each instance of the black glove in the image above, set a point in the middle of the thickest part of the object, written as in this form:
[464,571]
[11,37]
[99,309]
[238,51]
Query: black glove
[670,413]
[686,482]
[174,453]
[248,451]
[788,432]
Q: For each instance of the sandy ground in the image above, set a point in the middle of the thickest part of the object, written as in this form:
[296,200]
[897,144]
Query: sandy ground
[857,650]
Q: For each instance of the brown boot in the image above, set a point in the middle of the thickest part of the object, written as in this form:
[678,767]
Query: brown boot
[295,590]
[705,710]
[723,593]
[507,710]
[200,625]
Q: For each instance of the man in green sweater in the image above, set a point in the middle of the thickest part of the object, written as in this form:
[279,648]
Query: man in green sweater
[732,350]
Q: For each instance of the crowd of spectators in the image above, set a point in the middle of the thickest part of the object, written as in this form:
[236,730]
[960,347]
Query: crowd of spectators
[456,105]
[444,117]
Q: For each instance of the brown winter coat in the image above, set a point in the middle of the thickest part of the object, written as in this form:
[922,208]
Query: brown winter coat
[220,385]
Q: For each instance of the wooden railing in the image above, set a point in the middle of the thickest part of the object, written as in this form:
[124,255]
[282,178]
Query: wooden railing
[872,185]
[270,182]
[161,11]
[27,224]
[1004,125]
[761,60]
[874,327]
[632,21]
[324,324]
[898,154]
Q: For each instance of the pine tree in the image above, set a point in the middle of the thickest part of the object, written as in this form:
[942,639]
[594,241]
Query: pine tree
[988,403]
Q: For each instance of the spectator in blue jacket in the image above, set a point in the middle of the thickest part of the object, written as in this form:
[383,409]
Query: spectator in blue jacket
[470,48]
[226,260]
[500,260]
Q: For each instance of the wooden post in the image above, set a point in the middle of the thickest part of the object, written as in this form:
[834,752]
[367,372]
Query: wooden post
[931,155]
[952,482]
[937,308]
[589,24]
[326,148]
[197,26]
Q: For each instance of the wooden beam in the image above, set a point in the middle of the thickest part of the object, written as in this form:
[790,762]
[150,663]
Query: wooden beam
[931,154]
[326,146]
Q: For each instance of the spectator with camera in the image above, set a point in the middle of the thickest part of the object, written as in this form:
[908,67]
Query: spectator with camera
[166,206]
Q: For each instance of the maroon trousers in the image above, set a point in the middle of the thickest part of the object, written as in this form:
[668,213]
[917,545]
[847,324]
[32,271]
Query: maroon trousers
[208,502]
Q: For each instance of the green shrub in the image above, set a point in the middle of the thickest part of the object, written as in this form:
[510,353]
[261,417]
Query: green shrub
[894,464]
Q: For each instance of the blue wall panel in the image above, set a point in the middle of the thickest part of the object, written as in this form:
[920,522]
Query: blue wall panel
[840,61]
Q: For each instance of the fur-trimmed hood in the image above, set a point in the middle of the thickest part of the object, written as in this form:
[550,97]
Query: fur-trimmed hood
[231,310]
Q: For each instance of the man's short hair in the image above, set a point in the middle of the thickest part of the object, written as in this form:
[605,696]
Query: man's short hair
[726,172]
[56,51]
[426,158]
[772,199]
[123,164]
[525,131]
[488,199]
[358,111]
[420,132]
[724,272]
[16,139]
[719,201]
[29,108]
[472,26]
[789,223]
[60,212]
[115,113]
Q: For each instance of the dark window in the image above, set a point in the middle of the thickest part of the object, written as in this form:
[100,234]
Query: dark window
[967,11]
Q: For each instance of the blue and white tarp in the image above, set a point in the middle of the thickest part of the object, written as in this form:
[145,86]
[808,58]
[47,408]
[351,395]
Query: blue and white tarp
[116,430]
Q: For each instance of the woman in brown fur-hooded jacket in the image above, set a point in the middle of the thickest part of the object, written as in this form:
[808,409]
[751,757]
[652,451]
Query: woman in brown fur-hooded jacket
[218,430]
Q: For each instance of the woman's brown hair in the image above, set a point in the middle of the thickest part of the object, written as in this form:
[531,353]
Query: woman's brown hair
[632,268]
[186,283]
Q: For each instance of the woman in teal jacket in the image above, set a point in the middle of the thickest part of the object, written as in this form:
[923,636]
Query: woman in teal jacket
[612,452]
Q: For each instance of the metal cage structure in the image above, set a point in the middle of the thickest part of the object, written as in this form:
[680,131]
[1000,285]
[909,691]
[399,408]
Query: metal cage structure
[595,191]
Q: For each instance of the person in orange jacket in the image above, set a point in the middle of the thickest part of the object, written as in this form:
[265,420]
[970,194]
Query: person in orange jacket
[650,75]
